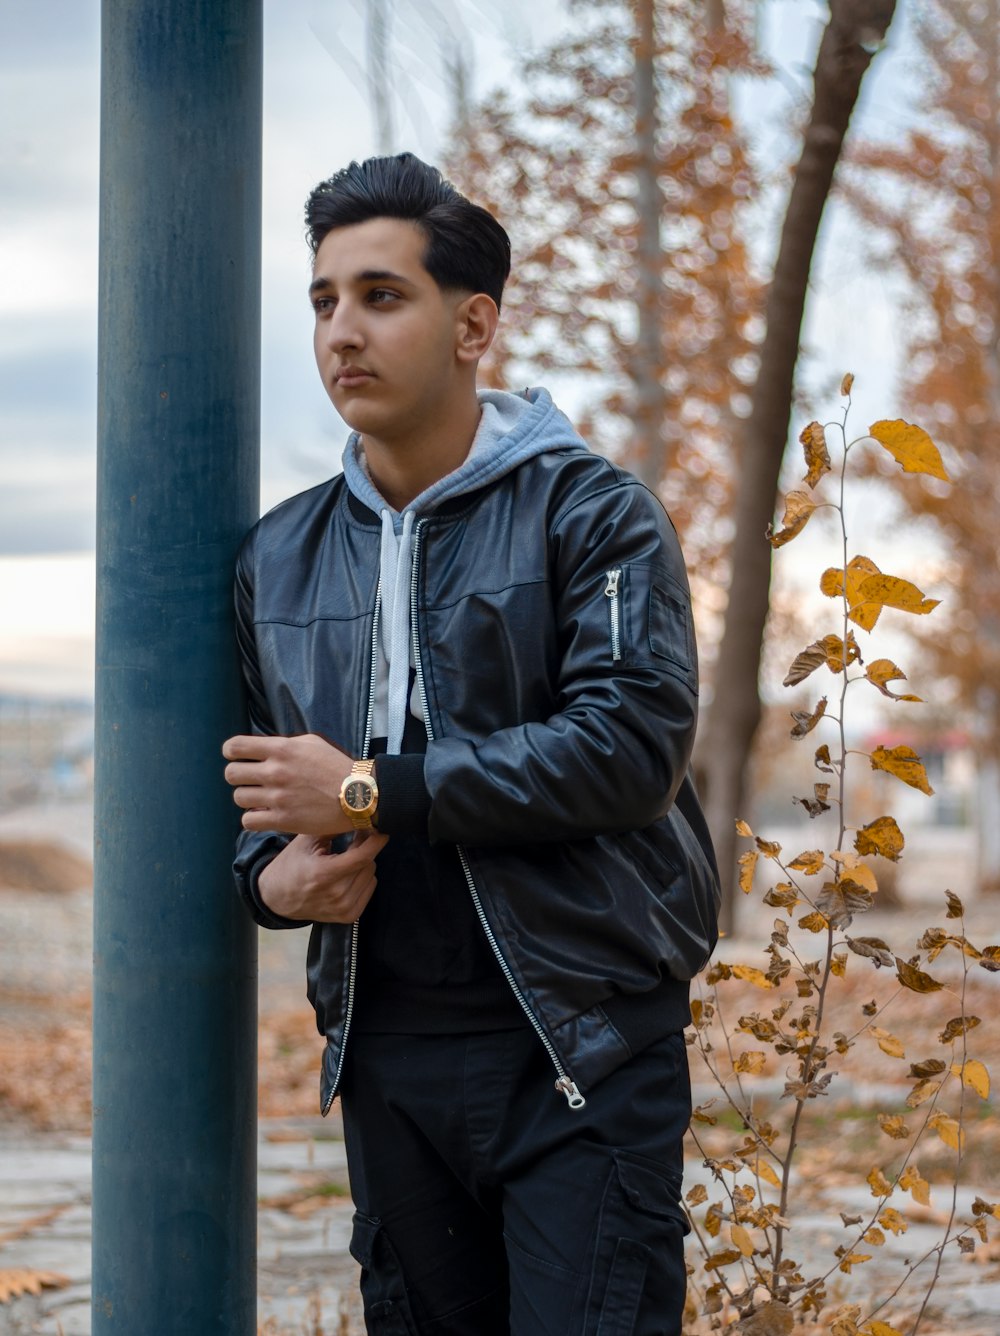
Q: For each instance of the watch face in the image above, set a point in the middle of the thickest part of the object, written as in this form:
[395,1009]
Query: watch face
[358,795]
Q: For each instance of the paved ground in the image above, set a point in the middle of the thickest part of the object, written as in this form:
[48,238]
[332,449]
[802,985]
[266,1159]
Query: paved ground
[303,1264]
[306,1277]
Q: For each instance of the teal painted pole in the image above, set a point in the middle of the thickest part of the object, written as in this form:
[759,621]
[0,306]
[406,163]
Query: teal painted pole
[174,1195]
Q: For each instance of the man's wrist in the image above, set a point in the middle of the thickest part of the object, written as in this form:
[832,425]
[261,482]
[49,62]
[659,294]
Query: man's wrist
[266,890]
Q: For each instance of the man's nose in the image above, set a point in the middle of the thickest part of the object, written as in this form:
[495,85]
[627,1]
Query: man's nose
[343,329]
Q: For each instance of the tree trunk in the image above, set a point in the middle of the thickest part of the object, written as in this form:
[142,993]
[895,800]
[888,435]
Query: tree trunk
[855,29]
[645,452]
[380,80]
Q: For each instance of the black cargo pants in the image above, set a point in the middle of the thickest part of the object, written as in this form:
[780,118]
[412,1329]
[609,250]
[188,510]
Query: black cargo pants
[487,1207]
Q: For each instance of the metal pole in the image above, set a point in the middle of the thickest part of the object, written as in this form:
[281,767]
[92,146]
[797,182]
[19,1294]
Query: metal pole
[178,425]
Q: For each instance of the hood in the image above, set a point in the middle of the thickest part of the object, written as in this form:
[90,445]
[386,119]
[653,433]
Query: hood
[512,428]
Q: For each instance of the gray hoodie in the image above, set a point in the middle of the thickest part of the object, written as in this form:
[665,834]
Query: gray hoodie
[512,428]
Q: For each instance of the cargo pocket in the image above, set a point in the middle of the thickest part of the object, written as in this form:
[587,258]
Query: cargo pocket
[640,1252]
[383,1289]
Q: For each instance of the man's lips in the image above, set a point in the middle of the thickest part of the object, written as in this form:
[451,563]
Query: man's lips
[350,376]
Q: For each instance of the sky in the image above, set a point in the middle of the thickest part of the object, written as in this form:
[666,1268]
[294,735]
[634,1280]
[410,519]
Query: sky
[315,118]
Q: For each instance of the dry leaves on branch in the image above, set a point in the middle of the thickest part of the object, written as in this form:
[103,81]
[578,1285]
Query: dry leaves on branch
[817,804]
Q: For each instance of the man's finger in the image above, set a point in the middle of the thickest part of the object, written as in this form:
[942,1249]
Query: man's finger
[242,772]
[250,747]
[258,819]
[251,797]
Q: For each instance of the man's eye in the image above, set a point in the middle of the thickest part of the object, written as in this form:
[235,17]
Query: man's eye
[380,296]
[321,305]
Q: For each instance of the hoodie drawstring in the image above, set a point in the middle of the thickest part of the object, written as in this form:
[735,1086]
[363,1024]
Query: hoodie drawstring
[396,567]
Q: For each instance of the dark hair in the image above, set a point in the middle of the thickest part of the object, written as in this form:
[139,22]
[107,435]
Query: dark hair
[466,246]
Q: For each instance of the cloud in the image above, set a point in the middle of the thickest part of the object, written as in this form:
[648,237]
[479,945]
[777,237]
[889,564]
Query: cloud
[55,518]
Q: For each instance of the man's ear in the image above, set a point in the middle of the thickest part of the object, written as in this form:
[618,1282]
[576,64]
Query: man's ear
[475,325]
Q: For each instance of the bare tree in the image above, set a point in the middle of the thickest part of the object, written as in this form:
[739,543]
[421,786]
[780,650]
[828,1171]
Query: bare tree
[648,358]
[377,37]
[856,29]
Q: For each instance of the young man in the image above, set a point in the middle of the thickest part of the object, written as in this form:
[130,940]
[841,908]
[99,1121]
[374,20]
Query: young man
[473,692]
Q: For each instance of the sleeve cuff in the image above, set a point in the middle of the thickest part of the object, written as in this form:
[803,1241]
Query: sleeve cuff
[404,801]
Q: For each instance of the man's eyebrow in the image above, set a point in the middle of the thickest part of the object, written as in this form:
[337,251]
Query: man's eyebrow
[382,276]
[320,284]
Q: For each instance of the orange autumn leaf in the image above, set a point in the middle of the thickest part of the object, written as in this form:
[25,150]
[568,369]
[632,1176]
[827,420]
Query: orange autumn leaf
[817,456]
[882,671]
[799,507]
[742,1240]
[974,1075]
[948,1129]
[747,862]
[904,763]
[809,862]
[832,584]
[879,1184]
[910,446]
[806,722]
[881,836]
[15,1281]
[829,650]
[751,1062]
[892,591]
[891,1219]
[919,981]
[911,1181]
[751,975]
[888,1043]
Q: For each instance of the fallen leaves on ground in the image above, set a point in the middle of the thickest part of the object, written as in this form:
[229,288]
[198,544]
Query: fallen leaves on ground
[40,865]
[39,1040]
[20,1280]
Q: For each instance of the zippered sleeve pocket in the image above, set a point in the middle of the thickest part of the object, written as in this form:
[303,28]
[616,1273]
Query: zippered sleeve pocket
[649,622]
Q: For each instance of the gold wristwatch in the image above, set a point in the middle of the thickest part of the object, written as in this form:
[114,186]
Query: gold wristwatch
[359,795]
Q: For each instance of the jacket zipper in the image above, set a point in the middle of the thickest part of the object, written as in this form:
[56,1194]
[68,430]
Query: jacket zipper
[564,1082]
[612,591]
[352,972]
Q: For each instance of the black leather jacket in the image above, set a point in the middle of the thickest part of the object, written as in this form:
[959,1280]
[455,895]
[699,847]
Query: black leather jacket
[555,658]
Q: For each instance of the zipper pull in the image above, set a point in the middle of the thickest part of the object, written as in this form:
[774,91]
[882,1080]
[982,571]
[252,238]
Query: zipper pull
[614,580]
[567,1086]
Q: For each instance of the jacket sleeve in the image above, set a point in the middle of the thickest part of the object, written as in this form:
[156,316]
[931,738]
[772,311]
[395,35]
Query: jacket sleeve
[614,753]
[254,849]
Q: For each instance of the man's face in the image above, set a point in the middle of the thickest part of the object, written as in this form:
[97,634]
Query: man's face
[385,333]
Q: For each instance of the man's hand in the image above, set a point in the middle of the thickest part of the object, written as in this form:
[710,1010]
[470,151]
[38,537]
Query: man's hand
[306,882]
[289,784]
